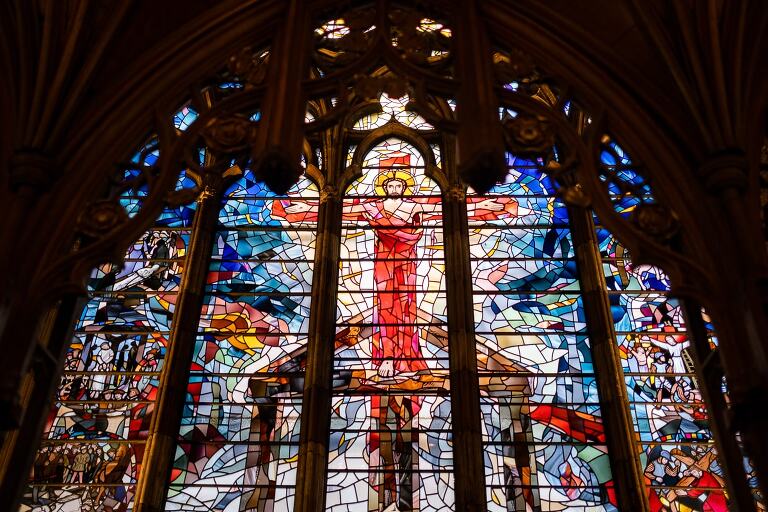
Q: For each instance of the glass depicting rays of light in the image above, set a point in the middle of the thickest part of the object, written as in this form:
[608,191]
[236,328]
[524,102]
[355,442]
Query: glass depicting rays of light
[542,431]
[390,442]
[238,442]
[93,440]
[392,110]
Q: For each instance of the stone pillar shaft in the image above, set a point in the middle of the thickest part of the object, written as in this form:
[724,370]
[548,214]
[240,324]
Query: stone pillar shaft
[166,418]
[469,469]
[316,408]
[614,402]
[38,391]
[710,376]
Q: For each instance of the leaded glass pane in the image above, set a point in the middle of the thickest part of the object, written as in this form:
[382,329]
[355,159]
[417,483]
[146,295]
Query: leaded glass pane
[93,441]
[677,448]
[238,441]
[390,441]
[543,437]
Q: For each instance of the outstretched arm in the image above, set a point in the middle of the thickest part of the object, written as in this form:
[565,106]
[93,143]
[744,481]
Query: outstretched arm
[673,349]
[429,209]
[492,208]
[354,210]
[295,211]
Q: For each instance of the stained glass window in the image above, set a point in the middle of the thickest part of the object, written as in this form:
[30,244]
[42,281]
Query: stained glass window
[390,437]
[544,444]
[94,438]
[238,441]
[390,428]
[392,110]
[678,455]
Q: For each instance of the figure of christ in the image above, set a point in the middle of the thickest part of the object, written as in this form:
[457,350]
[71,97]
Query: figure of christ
[395,218]
[396,350]
[396,347]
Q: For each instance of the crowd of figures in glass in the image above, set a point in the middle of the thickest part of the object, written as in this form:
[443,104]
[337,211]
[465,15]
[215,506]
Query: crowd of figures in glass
[95,434]
[239,436]
[678,456]
[543,437]
[390,443]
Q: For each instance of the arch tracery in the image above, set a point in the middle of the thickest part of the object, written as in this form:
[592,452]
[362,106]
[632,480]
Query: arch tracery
[530,128]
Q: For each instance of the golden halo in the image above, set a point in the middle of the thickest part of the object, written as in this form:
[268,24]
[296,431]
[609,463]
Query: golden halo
[394,174]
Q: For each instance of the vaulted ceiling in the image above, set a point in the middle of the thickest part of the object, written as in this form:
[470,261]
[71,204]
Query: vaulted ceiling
[678,83]
[683,85]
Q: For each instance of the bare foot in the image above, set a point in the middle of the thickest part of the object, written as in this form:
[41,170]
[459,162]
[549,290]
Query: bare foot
[387,368]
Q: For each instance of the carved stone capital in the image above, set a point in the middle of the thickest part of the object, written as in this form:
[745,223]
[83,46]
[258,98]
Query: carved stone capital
[723,171]
[456,194]
[30,169]
[329,193]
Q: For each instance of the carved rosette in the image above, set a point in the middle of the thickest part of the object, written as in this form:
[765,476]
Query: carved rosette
[229,135]
[101,217]
[656,220]
[528,135]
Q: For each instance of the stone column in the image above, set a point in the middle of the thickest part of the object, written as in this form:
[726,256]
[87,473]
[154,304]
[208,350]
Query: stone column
[614,402]
[739,307]
[316,407]
[469,470]
[30,176]
[709,371]
[166,418]
[38,389]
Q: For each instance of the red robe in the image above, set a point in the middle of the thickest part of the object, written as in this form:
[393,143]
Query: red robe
[395,275]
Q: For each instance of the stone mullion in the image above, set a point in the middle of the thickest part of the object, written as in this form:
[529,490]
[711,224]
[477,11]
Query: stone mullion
[469,469]
[736,308]
[614,402]
[709,371]
[316,406]
[38,392]
[169,406]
